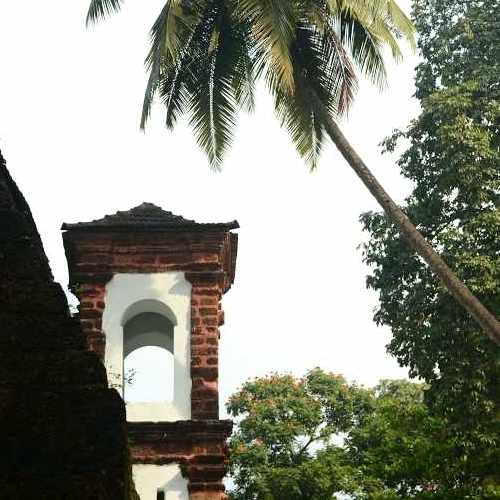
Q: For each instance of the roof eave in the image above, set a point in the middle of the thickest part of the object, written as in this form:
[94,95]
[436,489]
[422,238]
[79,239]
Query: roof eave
[89,227]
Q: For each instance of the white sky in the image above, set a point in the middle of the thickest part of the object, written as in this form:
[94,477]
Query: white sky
[69,109]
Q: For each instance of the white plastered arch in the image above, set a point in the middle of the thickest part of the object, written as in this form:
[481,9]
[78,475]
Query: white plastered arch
[167,294]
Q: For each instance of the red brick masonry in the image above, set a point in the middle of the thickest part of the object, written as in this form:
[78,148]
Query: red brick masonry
[208,259]
[199,447]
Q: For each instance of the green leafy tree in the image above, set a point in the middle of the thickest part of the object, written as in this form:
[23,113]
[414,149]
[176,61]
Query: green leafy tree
[207,54]
[402,450]
[283,448]
[453,160]
[318,438]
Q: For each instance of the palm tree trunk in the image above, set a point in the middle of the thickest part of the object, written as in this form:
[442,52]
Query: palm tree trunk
[458,290]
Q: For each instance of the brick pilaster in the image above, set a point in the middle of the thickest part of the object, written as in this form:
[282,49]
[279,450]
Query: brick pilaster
[206,317]
[91,307]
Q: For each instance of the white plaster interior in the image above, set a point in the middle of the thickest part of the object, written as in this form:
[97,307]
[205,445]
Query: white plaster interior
[167,295]
[150,479]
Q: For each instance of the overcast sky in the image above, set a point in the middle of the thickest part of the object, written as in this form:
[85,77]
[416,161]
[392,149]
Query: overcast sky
[69,110]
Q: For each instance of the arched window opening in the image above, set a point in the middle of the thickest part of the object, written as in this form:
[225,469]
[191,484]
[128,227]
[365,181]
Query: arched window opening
[149,376]
[148,365]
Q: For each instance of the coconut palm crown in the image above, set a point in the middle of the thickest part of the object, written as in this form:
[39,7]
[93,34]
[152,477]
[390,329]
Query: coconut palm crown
[206,56]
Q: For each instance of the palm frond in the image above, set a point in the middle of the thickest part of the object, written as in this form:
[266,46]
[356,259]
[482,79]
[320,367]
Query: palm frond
[343,82]
[296,111]
[175,97]
[208,76]
[170,39]
[173,84]
[180,20]
[213,111]
[244,65]
[212,72]
[154,61]
[176,74]
[149,93]
[99,9]
[273,29]
[298,117]
[382,19]
[244,71]
[243,84]
[384,35]
[365,47]
[401,22]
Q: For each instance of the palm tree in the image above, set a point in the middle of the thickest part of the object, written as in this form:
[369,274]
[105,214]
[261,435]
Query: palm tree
[206,56]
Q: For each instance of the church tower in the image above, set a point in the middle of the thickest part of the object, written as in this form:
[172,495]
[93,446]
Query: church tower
[146,277]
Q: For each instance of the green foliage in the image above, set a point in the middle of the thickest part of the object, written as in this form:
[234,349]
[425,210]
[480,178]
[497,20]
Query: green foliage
[101,8]
[283,422]
[453,159]
[319,438]
[207,54]
[404,450]
[395,445]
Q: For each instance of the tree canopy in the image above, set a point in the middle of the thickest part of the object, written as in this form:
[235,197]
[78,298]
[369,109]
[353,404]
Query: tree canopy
[206,56]
[453,159]
[319,437]
[281,449]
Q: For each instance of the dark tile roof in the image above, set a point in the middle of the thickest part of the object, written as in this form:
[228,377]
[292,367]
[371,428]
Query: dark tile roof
[147,217]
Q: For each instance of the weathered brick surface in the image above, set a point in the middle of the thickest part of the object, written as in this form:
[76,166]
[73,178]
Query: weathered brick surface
[208,258]
[96,256]
[199,446]
[63,432]
[205,310]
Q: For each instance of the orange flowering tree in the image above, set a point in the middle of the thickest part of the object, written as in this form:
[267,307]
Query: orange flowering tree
[284,447]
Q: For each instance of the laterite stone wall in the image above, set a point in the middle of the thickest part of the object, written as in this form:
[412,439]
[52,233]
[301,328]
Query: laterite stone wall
[62,430]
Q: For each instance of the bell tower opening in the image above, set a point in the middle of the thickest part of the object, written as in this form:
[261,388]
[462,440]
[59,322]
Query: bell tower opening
[148,364]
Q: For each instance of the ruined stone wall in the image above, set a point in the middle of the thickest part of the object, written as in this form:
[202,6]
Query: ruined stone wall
[62,430]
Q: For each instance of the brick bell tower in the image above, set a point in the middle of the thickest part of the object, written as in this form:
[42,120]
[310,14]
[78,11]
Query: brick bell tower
[146,277]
